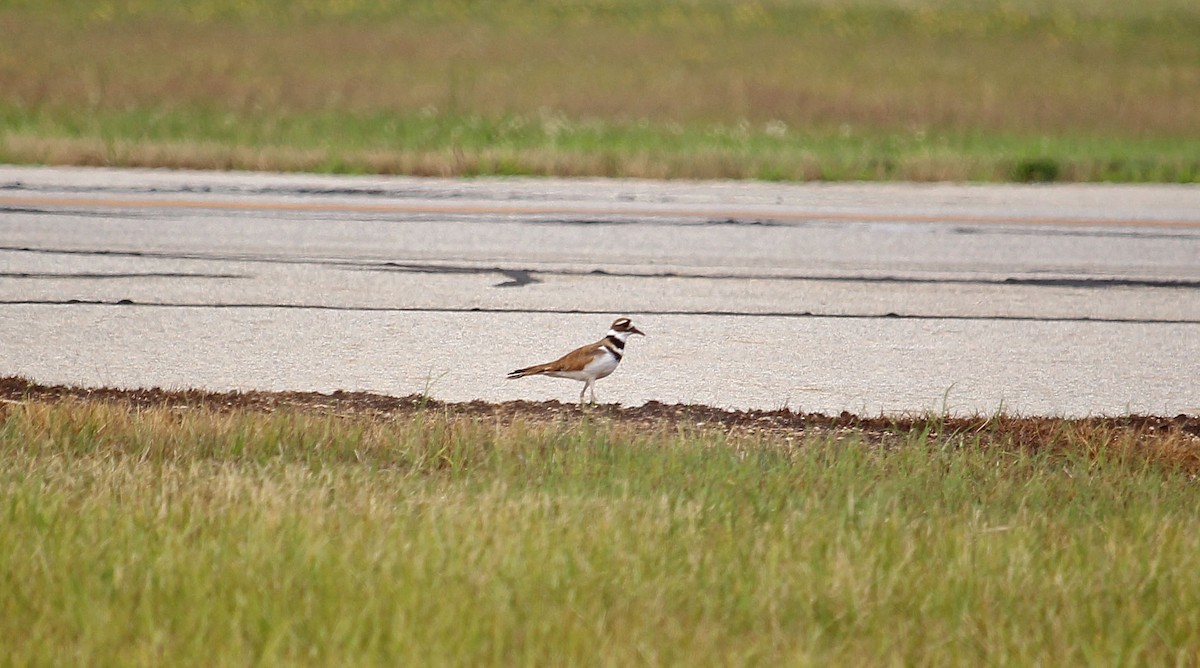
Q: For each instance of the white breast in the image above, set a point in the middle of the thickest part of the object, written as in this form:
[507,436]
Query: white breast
[602,365]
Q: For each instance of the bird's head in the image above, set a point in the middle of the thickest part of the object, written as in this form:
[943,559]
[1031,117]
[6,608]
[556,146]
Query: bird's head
[625,326]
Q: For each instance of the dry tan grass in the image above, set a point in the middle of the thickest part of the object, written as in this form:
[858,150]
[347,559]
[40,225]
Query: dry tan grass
[1098,79]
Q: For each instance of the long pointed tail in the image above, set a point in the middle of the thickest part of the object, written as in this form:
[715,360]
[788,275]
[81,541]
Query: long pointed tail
[527,371]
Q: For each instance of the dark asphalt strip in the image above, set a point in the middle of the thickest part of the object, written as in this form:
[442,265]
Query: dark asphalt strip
[91,276]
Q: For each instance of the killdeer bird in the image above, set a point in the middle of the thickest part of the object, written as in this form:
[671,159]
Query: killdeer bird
[588,363]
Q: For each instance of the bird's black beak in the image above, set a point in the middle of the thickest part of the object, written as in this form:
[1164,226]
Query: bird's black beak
[635,330]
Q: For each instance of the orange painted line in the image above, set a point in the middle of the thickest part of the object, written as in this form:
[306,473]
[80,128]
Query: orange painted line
[517,209]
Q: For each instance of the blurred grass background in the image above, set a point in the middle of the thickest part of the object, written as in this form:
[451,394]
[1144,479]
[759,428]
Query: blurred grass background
[802,89]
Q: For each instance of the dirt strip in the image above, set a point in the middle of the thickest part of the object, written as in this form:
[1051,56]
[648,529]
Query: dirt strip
[1031,430]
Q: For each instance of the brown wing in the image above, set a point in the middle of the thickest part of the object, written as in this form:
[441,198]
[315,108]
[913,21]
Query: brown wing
[572,361]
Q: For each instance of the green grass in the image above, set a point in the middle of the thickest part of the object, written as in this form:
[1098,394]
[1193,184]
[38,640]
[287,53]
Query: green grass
[554,146]
[873,89]
[177,536]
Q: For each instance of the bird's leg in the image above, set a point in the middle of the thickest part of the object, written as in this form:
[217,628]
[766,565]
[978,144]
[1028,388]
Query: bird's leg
[586,385]
[593,393]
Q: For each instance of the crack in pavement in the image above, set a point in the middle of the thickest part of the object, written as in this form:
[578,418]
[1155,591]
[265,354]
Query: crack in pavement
[643,312]
[520,277]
